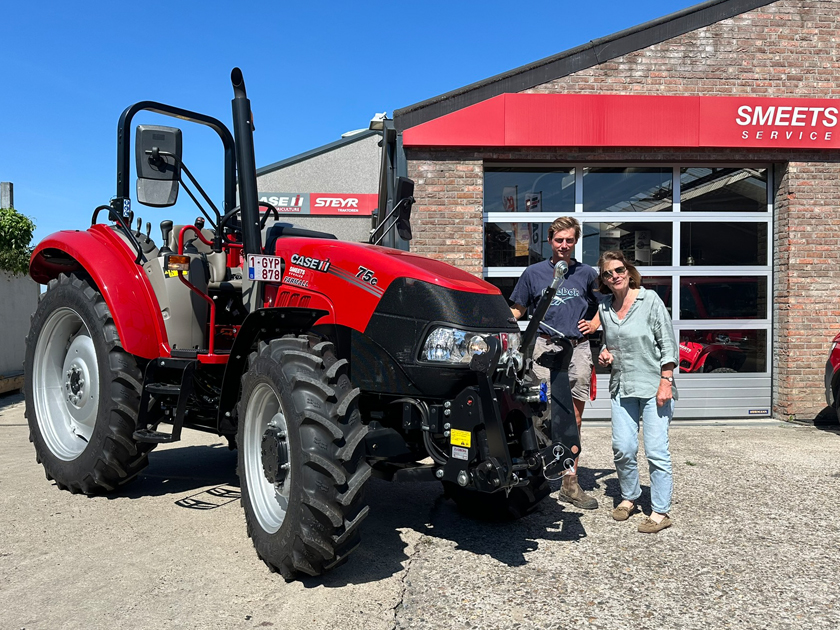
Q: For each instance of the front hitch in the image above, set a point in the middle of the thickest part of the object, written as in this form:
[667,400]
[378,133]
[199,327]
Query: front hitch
[559,456]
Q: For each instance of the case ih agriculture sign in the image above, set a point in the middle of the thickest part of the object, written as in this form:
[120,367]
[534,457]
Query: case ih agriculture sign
[335,204]
[613,120]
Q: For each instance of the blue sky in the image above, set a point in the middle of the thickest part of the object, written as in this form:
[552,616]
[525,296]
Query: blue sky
[313,71]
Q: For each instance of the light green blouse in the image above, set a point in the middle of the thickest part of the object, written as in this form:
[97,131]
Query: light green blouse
[641,344]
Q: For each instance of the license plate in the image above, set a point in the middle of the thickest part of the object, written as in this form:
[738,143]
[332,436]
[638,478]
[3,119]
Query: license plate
[265,268]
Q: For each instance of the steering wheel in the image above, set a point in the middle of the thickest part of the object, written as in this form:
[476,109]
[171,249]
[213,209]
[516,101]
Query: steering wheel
[264,218]
[230,214]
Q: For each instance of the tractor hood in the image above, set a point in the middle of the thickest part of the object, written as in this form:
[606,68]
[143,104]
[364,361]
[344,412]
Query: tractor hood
[384,264]
[371,267]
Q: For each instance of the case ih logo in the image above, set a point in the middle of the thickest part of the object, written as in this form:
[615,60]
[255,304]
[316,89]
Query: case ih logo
[783,122]
[321,203]
[284,203]
[311,263]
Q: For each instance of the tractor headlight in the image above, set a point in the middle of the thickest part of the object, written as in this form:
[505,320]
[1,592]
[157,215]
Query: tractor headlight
[457,347]
[450,345]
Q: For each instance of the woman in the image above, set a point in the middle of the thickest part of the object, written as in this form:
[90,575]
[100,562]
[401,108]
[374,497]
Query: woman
[641,347]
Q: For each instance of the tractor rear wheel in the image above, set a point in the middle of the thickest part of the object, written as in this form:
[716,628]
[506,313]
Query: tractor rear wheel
[300,461]
[82,391]
[499,506]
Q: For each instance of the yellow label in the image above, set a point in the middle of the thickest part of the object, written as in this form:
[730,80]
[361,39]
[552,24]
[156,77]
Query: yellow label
[460,438]
[169,273]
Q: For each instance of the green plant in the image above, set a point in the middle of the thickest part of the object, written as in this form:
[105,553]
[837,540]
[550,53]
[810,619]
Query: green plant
[15,235]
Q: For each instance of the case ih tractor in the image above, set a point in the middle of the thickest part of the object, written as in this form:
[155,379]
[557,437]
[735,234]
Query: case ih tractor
[323,362]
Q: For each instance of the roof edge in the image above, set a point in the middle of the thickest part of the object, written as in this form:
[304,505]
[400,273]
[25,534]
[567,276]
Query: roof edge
[332,146]
[593,53]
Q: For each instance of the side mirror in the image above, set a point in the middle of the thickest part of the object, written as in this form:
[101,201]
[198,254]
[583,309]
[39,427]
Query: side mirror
[158,153]
[405,196]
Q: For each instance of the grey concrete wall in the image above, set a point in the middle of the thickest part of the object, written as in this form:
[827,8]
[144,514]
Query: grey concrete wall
[353,168]
[18,300]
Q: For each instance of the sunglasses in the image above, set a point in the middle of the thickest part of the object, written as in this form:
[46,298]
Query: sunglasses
[619,271]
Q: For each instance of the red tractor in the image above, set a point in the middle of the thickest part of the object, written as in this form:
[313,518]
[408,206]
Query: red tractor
[323,362]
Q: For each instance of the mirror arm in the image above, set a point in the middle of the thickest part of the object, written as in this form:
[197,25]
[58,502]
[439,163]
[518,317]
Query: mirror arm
[385,221]
[203,194]
[217,242]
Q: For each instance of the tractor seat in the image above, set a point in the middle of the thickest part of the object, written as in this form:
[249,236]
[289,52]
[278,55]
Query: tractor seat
[190,239]
[279,230]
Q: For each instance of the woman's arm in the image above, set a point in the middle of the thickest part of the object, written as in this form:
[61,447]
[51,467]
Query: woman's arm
[589,327]
[663,334]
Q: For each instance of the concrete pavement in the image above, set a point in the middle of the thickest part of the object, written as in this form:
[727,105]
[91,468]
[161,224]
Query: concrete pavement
[753,546]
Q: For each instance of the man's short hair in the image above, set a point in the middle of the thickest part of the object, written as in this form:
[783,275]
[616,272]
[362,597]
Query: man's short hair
[564,223]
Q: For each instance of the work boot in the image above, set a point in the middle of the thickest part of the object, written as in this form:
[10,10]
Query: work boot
[571,492]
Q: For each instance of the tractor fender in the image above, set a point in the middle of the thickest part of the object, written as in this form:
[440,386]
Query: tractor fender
[109,261]
[264,323]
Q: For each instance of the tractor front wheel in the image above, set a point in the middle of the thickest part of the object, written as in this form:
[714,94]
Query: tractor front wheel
[82,391]
[301,465]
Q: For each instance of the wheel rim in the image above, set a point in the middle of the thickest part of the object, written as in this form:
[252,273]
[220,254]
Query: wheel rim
[65,384]
[269,501]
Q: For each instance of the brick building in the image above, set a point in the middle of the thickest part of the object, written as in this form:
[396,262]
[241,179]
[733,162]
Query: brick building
[704,145]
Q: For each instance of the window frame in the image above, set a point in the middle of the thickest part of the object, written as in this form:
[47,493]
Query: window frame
[676,218]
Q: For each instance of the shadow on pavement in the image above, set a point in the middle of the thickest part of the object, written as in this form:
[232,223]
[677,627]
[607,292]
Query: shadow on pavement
[8,399]
[589,478]
[421,507]
[506,542]
[393,507]
[180,470]
[827,420]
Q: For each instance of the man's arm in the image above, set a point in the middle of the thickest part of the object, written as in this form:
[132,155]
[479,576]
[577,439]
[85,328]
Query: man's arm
[518,310]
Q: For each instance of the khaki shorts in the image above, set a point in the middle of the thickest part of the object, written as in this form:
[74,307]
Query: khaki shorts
[580,369]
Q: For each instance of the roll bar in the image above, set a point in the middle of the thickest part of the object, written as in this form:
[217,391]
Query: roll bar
[124,149]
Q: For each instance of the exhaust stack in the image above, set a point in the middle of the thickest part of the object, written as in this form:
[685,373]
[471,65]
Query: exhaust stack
[243,131]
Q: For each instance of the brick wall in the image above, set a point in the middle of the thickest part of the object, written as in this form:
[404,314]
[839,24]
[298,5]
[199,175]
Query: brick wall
[447,217]
[785,49]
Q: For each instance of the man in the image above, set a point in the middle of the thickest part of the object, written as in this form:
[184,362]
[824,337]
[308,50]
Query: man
[565,315]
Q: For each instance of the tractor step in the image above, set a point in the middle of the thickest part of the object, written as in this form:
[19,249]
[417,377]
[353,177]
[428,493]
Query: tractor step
[153,437]
[163,388]
[167,386]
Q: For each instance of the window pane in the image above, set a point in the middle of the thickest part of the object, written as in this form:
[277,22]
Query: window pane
[515,244]
[529,190]
[641,243]
[723,243]
[722,351]
[662,286]
[723,298]
[705,189]
[609,189]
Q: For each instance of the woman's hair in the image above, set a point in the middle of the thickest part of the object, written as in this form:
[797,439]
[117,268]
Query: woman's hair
[634,278]
[564,223]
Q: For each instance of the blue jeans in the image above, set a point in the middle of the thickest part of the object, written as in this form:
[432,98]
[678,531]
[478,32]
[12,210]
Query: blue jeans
[626,414]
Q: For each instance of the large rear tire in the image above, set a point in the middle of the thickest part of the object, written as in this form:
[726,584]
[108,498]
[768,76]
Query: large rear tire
[82,391]
[300,461]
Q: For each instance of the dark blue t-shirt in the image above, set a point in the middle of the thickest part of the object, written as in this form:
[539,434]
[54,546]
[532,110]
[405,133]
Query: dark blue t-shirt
[574,298]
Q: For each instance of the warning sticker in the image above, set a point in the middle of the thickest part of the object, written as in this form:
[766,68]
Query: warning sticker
[460,453]
[460,438]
